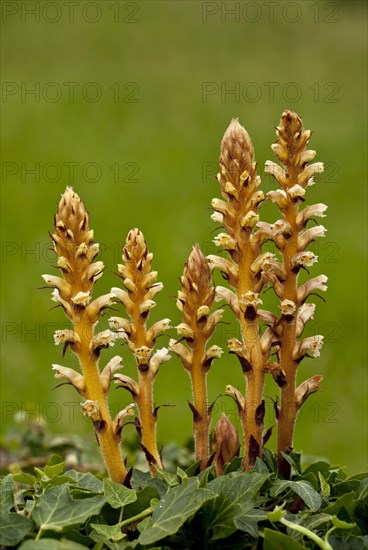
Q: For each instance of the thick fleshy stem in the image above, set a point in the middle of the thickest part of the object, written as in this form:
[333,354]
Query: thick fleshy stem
[139,281]
[74,246]
[238,214]
[292,239]
[194,301]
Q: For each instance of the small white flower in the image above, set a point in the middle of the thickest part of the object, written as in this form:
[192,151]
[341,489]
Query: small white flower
[276,171]
[250,219]
[95,270]
[66,335]
[305,259]
[82,250]
[310,235]
[217,217]
[223,239]
[307,156]
[309,172]
[296,191]
[142,355]
[147,305]
[214,352]
[287,307]
[185,330]
[231,190]
[81,298]
[127,383]
[158,358]
[250,299]
[182,352]
[279,197]
[92,409]
[309,346]
[219,205]
[202,311]
[129,284]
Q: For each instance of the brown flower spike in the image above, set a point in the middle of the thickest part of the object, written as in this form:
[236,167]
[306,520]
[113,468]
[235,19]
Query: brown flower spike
[244,270]
[76,251]
[195,301]
[140,289]
[295,176]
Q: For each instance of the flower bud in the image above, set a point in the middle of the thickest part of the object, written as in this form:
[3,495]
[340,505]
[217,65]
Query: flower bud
[225,443]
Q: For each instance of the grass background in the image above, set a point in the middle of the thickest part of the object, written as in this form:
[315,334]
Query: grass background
[164,133]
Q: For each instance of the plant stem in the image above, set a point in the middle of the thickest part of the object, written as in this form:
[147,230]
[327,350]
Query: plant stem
[200,425]
[108,443]
[145,399]
[139,516]
[254,377]
[324,544]
[288,407]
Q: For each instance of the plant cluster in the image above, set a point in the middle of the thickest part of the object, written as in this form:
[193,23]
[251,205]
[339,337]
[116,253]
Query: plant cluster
[271,343]
[52,509]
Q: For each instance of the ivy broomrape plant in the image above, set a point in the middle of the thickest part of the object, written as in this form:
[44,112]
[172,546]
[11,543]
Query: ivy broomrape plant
[248,269]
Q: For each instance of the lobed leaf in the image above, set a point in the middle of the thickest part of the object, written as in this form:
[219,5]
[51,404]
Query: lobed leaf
[56,510]
[180,503]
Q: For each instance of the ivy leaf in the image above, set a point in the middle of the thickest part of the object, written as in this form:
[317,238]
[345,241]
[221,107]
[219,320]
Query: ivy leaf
[55,509]
[55,466]
[174,508]
[144,479]
[87,481]
[13,528]
[274,540]
[236,497]
[7,494]
[345,501]
[25,478]
[118,495]
[51,544]
[248,521]
[325,488]
[302,488]
[112,532]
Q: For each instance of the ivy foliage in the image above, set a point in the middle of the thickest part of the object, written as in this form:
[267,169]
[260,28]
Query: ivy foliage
[54,509]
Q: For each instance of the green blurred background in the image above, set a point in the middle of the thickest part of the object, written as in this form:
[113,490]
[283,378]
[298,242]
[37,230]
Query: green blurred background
[135,96]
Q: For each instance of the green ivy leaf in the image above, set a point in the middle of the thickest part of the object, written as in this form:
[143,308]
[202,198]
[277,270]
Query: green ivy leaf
[118,495]
[361,493]
[51,544]
[273,540]
[248,522]
[178,505]
[325,488]
[13,528]
[55,466]
[25,478]
[88,481]
[345,501]
[302,488]
[140,480]
[111,532]
[7,494]
[236,497]
[55,509]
